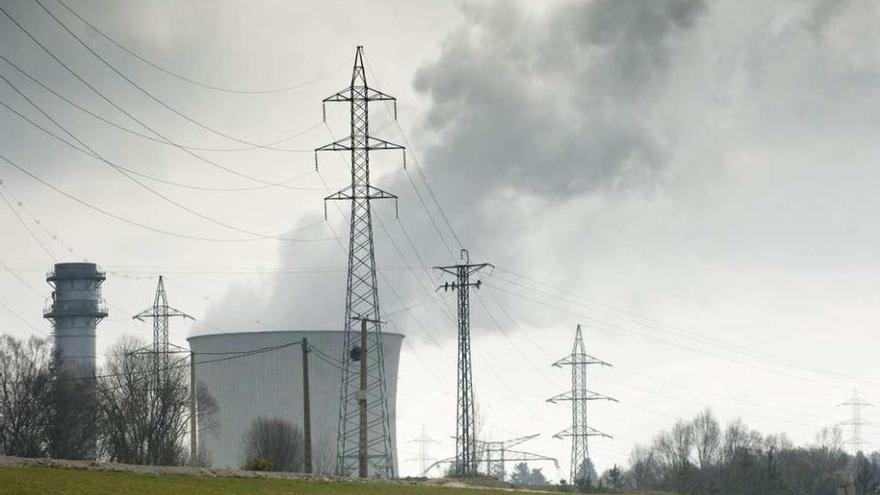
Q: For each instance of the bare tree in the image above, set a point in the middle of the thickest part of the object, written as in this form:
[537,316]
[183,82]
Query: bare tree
[72,413]
[142,420]
[206,410]
[25,391]
[707,438]
[643,471]
[273,444]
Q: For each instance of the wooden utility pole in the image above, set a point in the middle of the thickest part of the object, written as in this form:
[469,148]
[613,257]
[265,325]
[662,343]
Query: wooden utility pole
[307,408]
[362,402]
[193,412]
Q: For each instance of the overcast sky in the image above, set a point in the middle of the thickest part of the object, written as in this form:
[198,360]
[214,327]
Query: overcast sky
[694,182]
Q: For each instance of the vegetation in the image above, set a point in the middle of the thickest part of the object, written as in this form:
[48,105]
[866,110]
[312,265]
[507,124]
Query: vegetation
[698,457]
[273,444]
[40,480]
[126,416]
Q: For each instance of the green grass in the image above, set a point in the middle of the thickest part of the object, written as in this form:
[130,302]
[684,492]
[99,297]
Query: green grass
[42,480]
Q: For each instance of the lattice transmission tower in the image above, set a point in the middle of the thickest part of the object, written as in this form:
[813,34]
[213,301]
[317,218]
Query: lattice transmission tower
[160,312]
[465,429]
[361,296]
[579,396]
[856,404]
[424,456]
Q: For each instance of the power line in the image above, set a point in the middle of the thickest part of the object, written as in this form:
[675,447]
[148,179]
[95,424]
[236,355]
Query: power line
[190,80]
[268,146]
[652,336]
[92,154]
[126,112]
[121,218]
[138,86]
[424,177]
[26,226]
[23,319]
[52,235]
[670,329]
[127,173]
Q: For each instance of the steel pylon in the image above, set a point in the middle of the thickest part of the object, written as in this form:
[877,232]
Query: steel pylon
[160,312]
[361,296]
[466,462]
[579,396]
[856,404]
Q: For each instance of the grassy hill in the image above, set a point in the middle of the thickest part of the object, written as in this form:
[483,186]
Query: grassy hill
[17,479]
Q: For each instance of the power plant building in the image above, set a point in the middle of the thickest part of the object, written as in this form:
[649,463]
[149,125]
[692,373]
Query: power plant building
[268,383]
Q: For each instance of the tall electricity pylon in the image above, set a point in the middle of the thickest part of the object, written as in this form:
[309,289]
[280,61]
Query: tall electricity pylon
[465,429]
[579,396]
[855,422]
[160,312]
[361,296]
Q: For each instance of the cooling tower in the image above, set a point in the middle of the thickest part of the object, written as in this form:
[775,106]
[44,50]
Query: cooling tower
[269,384]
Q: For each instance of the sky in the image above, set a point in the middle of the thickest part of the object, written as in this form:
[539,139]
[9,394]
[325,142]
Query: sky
[692,182]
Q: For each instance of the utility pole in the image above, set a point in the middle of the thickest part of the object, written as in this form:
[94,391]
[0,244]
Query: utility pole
[193,412]
[362,297]
[579,396]
[307,408]
[855,422]
[360,354]
[465,430]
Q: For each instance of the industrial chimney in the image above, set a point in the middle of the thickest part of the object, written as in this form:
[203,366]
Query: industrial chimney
[75,308]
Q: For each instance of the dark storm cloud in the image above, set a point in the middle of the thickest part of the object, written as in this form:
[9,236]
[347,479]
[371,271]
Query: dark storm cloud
[551,104]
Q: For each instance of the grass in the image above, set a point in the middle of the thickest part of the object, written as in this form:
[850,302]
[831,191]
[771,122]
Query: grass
[41,480]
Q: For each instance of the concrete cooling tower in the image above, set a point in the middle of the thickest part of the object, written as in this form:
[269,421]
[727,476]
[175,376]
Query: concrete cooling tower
[269,384]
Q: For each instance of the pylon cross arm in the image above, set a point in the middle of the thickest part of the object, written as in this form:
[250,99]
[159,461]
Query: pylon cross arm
[578,360]
[588,432]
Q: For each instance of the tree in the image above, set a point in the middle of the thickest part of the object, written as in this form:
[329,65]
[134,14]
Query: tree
[674,449]
[865,473]
[25,392]
[707,438]
[273,444]
[143,420]
[586,475]
[643,471]
[72,409]
[523,476]
[613,477]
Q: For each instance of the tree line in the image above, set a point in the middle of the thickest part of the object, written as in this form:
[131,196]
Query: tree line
[124,414]
[702,457]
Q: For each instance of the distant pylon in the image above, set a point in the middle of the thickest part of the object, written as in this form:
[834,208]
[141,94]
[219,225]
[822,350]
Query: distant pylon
[160,313]
[579,395]
[361,296]
[465,427]
[856,442]
[423,440]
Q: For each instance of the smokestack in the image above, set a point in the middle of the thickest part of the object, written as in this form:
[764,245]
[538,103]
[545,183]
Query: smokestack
[75,308]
